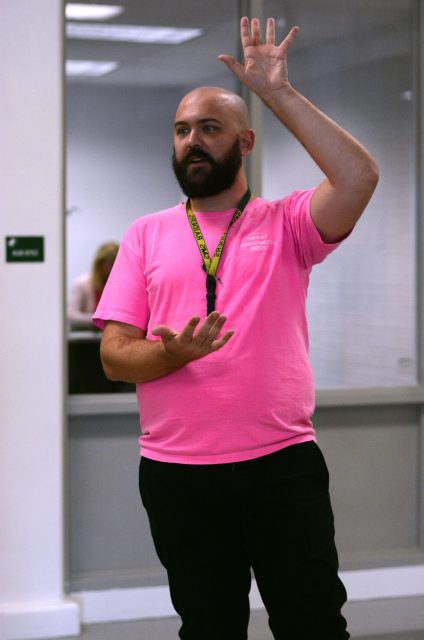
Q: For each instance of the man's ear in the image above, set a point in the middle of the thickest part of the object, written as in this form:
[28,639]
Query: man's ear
[247,141]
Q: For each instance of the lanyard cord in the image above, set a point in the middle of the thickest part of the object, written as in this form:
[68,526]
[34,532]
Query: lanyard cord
[210,266]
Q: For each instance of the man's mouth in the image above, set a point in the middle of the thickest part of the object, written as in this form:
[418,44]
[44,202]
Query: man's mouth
[197,159]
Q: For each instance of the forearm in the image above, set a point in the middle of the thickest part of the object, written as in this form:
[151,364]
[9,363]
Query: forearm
[351,173]
[342,159]
[136,360]
[127,355]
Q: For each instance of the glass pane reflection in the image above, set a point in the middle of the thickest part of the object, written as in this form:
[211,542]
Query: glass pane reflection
[354,59]
[119,139]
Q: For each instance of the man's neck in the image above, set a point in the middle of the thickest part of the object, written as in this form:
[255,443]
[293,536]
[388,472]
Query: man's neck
[223,201]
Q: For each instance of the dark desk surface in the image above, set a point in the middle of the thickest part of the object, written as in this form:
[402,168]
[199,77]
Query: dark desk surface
[85,372]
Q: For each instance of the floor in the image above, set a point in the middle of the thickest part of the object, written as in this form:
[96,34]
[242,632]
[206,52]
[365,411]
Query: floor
[167,629]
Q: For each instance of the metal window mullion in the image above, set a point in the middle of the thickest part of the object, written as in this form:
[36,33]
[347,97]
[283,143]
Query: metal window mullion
[418,61]
[252,9]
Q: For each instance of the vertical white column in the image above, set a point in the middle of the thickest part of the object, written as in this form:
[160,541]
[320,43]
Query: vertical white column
[32,601]
[253,9]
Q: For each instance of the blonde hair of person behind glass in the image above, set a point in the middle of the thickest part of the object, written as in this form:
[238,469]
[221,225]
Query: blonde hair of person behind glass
[105,253]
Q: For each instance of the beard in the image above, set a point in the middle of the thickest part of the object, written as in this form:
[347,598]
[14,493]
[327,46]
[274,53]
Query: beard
[206,181]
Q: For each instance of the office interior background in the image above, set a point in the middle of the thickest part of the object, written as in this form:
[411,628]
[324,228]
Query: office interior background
[81,157]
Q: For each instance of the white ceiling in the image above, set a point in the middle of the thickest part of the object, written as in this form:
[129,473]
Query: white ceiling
[346,31]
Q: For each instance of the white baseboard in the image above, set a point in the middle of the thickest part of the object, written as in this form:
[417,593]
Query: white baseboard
[25,621]
[391,582]
[380,601]
[112,605]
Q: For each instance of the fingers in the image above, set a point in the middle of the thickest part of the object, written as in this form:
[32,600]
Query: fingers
[233,65]
[288,40]
[270,31]
[251,34]
[189,329]
[255,28]
[207,334]
[164,332]
[216,330]
[246,39]
[211,327]
[214,323]
[194,344]
[217,344]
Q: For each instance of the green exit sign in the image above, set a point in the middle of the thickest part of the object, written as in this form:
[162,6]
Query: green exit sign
[24,249]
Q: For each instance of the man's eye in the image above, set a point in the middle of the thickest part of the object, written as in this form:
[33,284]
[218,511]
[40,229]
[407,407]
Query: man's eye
[182,131]
[209,128]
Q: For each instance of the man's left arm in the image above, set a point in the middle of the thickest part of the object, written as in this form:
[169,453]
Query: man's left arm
[351,172]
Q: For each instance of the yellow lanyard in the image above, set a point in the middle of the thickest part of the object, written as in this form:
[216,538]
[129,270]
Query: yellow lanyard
[210,266]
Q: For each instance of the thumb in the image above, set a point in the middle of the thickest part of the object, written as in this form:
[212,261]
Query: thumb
[233,65]
[165,333]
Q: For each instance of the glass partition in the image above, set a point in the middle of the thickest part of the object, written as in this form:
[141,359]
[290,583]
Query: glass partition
[119,134]
[355,60]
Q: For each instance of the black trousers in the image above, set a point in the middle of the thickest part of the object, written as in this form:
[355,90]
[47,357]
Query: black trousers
[212,523]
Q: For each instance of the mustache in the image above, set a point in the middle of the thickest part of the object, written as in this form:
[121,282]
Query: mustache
[197,153]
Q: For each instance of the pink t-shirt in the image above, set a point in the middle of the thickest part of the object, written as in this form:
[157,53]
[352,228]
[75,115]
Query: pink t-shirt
[256,394]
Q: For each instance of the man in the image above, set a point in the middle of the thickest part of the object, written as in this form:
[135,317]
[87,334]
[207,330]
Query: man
[230,474]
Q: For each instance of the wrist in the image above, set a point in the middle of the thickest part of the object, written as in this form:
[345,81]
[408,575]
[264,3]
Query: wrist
[279,97]
[173,359]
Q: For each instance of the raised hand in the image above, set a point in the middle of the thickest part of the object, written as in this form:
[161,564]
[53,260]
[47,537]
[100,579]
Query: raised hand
[191,344]
[265,64]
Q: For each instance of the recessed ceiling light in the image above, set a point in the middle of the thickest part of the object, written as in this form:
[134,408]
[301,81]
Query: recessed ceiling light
[130,33]
[79,11]
[89,68]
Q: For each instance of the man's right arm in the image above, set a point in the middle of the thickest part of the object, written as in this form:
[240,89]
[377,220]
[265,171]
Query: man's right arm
[128,356]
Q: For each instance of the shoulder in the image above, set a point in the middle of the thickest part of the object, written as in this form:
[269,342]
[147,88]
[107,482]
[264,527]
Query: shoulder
[287,206]
[151,221]
[299,200]
[145,229]
[298,197]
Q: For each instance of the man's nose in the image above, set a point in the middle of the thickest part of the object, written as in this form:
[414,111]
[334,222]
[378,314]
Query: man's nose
[194,139]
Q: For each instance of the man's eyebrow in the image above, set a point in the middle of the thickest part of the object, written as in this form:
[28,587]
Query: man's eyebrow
[201,121]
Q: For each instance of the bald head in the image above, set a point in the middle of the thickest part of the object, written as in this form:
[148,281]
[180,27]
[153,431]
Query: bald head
[211,138]
[217,101]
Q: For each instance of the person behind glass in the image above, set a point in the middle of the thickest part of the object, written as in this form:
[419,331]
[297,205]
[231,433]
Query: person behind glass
[87,289]
[231,475]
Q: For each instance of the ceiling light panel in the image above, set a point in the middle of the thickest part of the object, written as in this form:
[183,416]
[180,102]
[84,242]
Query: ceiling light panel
[78,11]
[131,33]
[89,68]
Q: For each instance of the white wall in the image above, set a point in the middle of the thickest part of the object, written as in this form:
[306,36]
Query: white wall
[119,146]
[32,602]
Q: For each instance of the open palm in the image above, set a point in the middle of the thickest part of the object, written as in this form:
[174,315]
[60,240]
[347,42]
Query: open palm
[265,64]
